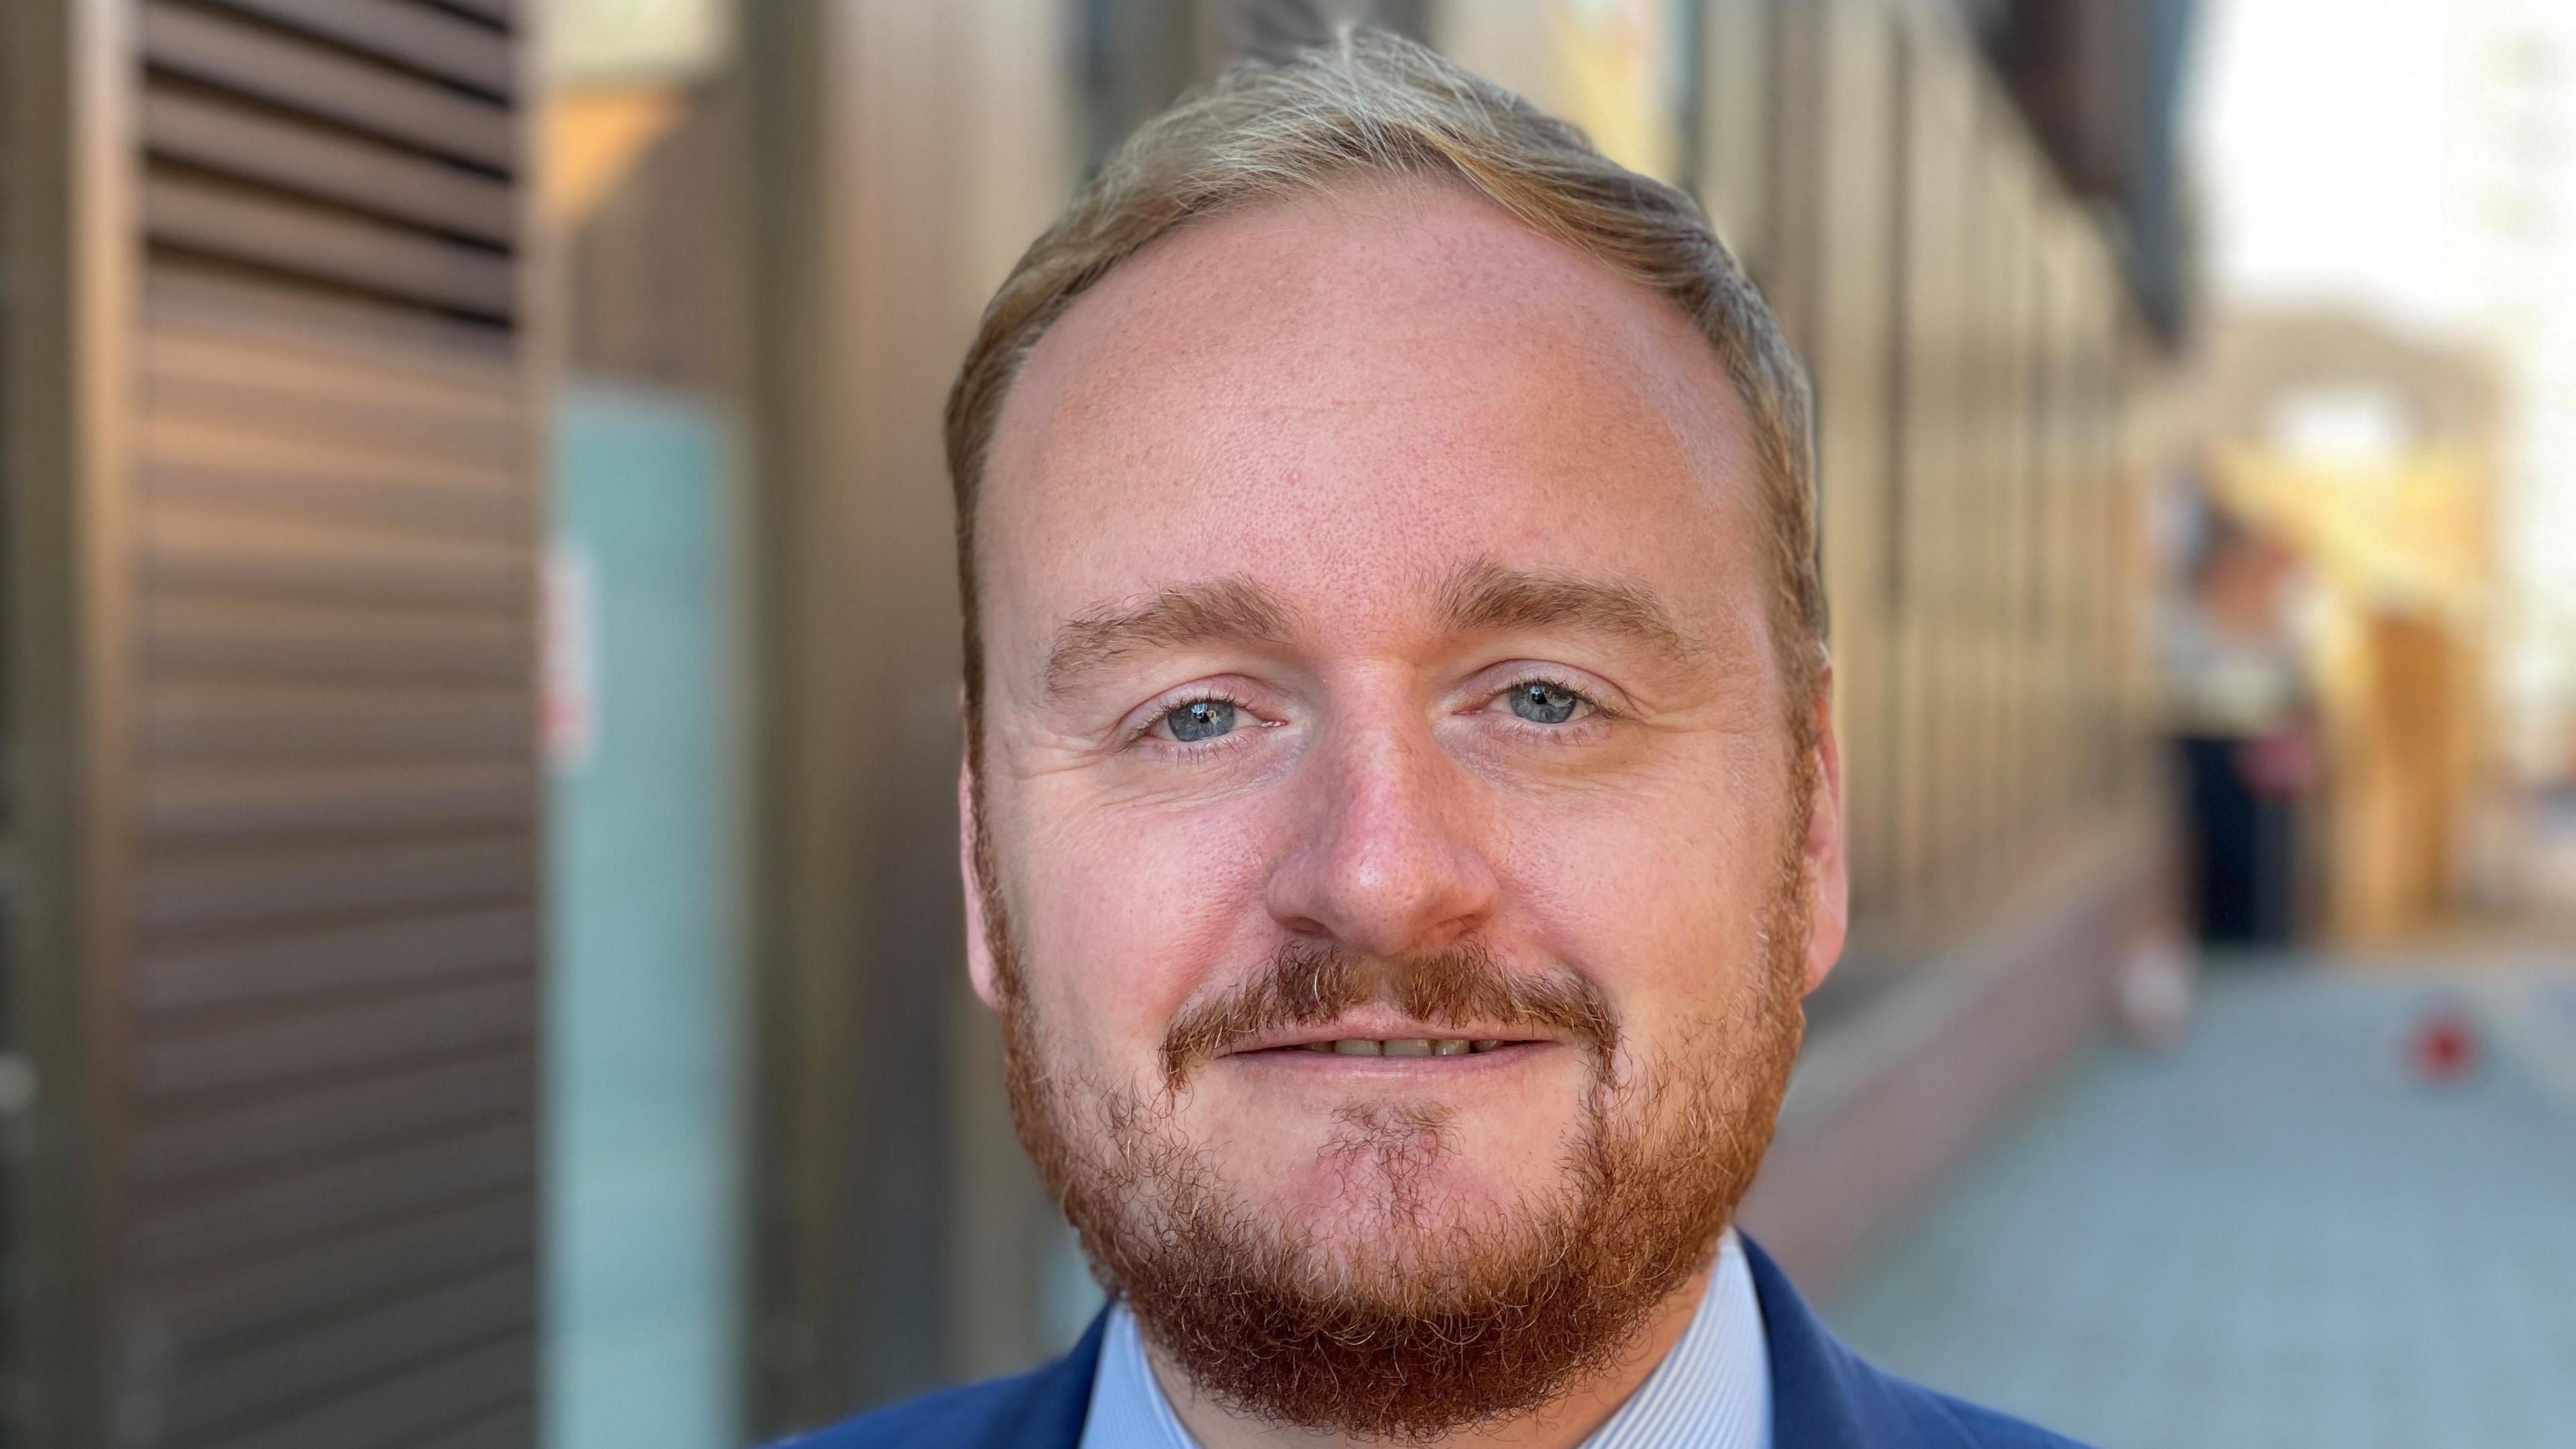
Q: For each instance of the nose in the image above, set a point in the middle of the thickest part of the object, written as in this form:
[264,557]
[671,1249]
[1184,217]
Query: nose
[1391,853]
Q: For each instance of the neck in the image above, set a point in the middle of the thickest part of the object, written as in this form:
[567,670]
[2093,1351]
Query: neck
[1561,1423]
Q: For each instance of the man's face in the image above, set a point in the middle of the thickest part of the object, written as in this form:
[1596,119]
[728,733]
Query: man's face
[1395,823]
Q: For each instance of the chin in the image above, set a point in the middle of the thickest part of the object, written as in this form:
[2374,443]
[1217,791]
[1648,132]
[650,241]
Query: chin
[1385,1183]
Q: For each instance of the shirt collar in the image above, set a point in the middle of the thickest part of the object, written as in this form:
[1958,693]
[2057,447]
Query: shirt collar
[1713,1389]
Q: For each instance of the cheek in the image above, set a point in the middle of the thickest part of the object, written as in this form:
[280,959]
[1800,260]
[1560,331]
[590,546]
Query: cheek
[1124,913]
[1656,892]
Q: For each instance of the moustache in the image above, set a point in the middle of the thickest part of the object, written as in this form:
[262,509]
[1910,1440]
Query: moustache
[1311,983]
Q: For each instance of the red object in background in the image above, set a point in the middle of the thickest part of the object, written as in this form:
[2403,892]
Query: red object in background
[2282,765]
[2444,1046]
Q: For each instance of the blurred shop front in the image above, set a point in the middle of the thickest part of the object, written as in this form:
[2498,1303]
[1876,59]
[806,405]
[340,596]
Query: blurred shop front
[2364,466]
[483,929]
[646,712]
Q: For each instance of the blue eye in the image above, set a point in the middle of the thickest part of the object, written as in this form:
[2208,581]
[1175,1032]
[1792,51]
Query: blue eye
[1201,719]
[1540,702]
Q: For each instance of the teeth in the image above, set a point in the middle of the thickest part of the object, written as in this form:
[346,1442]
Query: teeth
[1410,1046]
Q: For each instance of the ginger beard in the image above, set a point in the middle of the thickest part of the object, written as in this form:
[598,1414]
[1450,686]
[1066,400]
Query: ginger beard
[1421,1326]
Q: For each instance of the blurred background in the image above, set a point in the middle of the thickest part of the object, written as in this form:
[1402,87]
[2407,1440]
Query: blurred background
[477,891]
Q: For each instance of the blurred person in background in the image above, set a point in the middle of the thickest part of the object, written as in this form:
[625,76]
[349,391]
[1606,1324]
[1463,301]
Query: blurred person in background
[2244,727]
[1402,810]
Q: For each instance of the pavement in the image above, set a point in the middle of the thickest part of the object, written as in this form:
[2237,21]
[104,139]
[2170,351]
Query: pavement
[2278,1234]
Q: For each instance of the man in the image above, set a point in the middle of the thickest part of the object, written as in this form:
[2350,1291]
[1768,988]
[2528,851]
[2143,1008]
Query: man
[1402,817]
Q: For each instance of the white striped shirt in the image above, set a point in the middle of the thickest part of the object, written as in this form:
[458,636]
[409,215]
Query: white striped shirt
[1713,1391]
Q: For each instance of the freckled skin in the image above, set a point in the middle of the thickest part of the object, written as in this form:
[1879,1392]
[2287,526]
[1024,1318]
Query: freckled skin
[1343,401]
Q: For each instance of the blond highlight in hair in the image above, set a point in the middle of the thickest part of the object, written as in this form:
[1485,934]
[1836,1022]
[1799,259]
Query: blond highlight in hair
[1374,106]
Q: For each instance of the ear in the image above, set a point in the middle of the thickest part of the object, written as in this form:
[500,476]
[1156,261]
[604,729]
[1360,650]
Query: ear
[979,945]
[1828,873]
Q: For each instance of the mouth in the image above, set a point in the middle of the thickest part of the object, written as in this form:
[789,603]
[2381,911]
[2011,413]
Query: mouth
[1360,1036]
[1403,1046]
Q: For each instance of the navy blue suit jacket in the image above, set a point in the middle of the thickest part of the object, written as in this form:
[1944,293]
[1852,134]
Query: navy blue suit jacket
[1823,1396]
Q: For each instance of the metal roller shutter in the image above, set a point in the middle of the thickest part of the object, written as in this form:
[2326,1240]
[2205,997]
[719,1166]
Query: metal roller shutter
[310,1113]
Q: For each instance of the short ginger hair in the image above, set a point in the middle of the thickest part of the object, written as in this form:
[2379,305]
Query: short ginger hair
[1373,106]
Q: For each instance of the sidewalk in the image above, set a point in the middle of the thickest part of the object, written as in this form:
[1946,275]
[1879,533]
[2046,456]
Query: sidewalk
[2275,1236]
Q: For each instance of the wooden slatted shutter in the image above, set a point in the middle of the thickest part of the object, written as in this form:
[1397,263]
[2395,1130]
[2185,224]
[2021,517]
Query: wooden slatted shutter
[297,1041]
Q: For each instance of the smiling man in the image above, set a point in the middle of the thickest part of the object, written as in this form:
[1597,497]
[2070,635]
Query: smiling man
[1402,814]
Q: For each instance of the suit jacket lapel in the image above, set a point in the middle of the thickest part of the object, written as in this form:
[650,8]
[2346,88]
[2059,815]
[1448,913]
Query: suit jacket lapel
[1822,1395]
[1054,1401]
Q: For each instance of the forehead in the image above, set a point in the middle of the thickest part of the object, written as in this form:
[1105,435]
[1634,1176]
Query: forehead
[1355,391]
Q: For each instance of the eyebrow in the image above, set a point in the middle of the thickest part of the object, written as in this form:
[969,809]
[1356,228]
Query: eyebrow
[1483,597]
[1220,611]
[1487,597]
